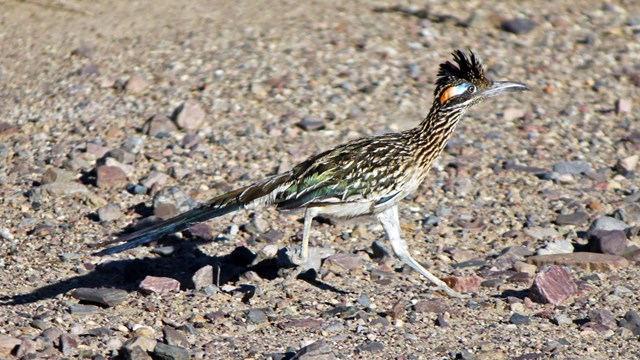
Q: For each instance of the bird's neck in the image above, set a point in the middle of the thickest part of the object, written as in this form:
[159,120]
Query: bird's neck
[434,131]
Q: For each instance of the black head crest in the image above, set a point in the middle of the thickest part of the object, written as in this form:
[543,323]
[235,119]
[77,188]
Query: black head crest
[464,69]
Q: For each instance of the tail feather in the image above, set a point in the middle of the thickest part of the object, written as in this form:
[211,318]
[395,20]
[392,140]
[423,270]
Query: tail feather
[263,193]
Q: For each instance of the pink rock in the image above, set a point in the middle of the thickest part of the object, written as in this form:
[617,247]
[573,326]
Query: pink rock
[203,277]
[159,285]
[463,284]
[343,261]
[110,176]
[189,115]
[552,285]
[8,344]
[136,84]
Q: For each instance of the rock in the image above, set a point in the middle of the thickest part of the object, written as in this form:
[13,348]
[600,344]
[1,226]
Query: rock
[7,129]
[364,300]
[521,266]
[539,233]
[62,189]
[256,316]
[577,218]
[153,178]
[372,347]
[339,263]
[68,344]
[5,234]
[174,337]
[259,90]
[8,344]
[612,242]
[623,106]
[109,212]
[103,296]
[576,167]
[136,84]
[110,161]
[189,115]
[53,175]
[318,350]
[607,223]
[310,124]
[631,321]
[176,197]
[604,317]
[586,260]
[159,285]
[135,353]
[436,306]
[519,319]
[203,277]
[511,114]
[463,284]
[110,177]
[82,309]
[552,285]
[629,213]
[518,26]
[306,323]
[562,319]
[159,126]
[627,164]
[200,231]
[556,247]
[26,349]
[520,278]
[145,343]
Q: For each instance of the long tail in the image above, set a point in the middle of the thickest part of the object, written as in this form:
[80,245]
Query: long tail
[263,193]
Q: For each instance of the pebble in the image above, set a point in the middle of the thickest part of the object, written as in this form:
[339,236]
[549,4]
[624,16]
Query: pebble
[102,296]
[159,285]
[631,321]
[203,277]
[623,106]
[310,124]
[627,164]
[110,177]
[576,167]
[53,175]
[463,284]
[612,242]
[521,266]
[552,285]
[109,212]
[68,344]
[585,260]
[539,233]
[153,178]
[519,319]
[364,300]
[306,323]
[577,218]
[174,337]
[8,344]
[562,319]
[82,309]
[556,247]
[159,126]
[436,306]
[136,84]
[256,316]
[339,263]
[175,196]
[318,350]
[5,234]
[604,317]
[607,223]
[622,291]
[518,26]
[629,213]
[511,114]
[189,115]
[372,347]
[26,349]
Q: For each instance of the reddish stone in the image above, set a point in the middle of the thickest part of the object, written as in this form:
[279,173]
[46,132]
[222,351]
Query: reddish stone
[110,176]
[552,285]
[160,285]
[463,284]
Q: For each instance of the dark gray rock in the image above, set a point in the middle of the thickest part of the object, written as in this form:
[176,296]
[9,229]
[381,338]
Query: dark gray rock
[577,218]
[169,352]
[519,319]
[518,26]
[102,296]
[611,242]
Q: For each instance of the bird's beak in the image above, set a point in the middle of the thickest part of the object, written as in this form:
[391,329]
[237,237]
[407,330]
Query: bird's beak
[499,87]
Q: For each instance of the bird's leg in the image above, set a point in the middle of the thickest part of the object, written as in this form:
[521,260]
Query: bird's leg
[302,255]
[391,223]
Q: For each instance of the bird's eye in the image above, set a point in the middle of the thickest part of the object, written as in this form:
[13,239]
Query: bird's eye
[471,89]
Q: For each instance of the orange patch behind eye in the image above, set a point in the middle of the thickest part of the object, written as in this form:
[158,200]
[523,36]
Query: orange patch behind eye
[447,94]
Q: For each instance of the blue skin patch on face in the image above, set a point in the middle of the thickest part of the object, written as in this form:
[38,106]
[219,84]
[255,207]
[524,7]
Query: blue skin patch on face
[454,91]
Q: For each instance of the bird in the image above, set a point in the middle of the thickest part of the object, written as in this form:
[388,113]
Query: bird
[367,176]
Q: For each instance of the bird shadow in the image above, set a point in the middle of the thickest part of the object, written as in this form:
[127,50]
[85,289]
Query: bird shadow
[181,264]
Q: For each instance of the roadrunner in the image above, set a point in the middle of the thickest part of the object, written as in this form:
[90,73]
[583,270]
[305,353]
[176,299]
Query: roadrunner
[368,176]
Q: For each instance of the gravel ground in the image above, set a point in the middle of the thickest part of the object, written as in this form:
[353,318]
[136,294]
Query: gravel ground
[114,112]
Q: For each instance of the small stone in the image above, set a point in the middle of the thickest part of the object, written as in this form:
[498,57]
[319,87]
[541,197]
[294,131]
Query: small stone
[612,242]
[520,278]
[562,319]
[577,218]
[52,334]
[175,196]
[174,337]
[521,266]
[203,277]
[518,26]
[318,350]
[511,114]
[540,233]
[145,343]
[53,175]
[586,260]
[103,296]
[6,234]
[622,291]
[310,124]
[159,285]
[519,319]
[604,317]
[68,344]
[8,344]
[463,284]
[627,164]
[26,349]
[576,167]
[200,231]
[339,263]
[110,177]
[189,115]
[436,306]
[135,353]
[259,90]
[631,321]
[607,223]
[109,212]
[552,285]
[159,126]
[153,178]
[7,129]
[82,309]
[372,347]
[364,300]
[623,106]
[256,316]
[556,247]
[136,84]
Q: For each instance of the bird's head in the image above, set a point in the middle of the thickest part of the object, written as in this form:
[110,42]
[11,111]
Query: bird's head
[463,83]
